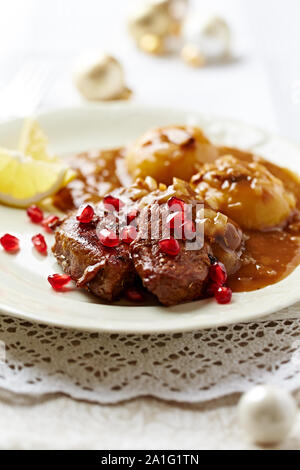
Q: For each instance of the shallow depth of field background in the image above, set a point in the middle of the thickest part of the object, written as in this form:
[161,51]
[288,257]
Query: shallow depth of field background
[261,86]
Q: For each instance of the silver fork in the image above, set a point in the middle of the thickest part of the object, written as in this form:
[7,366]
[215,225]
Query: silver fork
[24,94]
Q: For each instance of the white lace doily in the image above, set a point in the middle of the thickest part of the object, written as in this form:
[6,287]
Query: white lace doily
[190,367]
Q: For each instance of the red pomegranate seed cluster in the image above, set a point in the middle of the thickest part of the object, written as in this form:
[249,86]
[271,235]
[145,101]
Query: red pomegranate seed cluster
[112,203]
[109,238]
[223,295]
[128,234]
[177,221]
[59,281]
[180,226]
[218,274]
[169,246]
[10,243]
[35,214]
[87,215]
[39,243]
[176,204]
[218,277]
[132,215]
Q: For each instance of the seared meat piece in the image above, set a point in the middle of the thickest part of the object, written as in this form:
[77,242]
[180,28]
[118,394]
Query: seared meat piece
[103,271]
[182,278]
[173,280]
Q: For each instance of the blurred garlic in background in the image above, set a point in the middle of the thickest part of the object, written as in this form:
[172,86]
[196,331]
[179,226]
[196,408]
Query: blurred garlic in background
[267,414]
[154,22]
[100,77]
[209,36]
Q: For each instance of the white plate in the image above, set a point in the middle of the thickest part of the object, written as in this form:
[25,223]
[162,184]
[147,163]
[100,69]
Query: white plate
[24,290]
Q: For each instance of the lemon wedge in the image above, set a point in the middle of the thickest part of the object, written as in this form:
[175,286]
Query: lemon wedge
[34,142]
[32,173]
[24,180]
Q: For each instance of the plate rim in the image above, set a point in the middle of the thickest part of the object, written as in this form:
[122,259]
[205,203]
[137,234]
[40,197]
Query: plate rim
[247,318]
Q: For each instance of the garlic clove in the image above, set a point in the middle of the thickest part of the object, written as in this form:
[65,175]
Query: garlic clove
[267,414]
[100,77]
[210,34]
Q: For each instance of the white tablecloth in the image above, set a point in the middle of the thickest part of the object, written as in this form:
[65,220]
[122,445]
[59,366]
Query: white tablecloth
[260,87]
[59,423]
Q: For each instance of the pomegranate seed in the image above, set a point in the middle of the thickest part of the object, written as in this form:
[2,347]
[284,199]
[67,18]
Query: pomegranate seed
[223,295]
[134,295]
[86,215]
[108,238]
[175,220]
[170,246]
[189,229]
[218,274]
[58,281]
[176,204]
[112,203]
[129,234]
[49,223]
[35,214]
[10,243]
[39,243]
[211,289]
[132,215]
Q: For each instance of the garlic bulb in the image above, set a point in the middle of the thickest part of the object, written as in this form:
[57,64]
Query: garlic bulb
[155,21]
[100,77]
[211,35]
[267,414]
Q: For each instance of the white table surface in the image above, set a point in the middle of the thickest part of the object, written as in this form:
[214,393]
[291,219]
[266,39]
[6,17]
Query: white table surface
[261,87]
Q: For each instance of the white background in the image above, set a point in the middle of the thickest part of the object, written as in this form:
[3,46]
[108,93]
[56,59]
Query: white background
[261,87]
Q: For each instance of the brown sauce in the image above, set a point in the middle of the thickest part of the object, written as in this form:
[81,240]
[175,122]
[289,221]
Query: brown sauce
[97,176]
[268,257]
